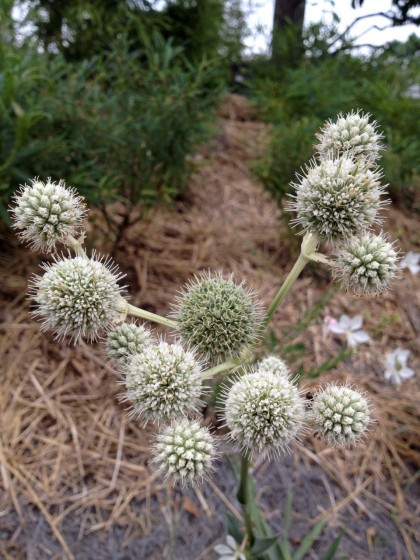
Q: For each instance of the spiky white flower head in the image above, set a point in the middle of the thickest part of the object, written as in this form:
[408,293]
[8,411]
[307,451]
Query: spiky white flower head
[353,135]
[125,340]
[185,451]
[338,198]
[46,213]
[367,264]
[264,412]
[163,382]
[78,296]
[217,317]
[340,414]
[274,365]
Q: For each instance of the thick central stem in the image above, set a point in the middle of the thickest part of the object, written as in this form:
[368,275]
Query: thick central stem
[245,498]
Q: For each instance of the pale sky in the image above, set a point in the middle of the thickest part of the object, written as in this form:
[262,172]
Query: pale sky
[317,10]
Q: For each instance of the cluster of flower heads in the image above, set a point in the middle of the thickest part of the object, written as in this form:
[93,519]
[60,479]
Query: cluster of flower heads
[339,198]
[217,319]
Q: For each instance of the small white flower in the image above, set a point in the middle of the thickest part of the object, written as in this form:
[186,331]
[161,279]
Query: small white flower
[396,366]
[230,550]
[351,327]
[411,261]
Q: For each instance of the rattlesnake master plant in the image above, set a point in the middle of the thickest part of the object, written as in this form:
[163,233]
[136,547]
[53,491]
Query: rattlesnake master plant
[337,201]
[367,264]
[353,135]
[47,213]
[78,296]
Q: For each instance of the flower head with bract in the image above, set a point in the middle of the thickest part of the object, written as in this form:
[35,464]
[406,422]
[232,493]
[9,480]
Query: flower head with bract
[352,135]
[163,382]
[217,317]
[264,411]
[47,213]
[338,198]
[185,451]
[275,365]
[126,340]
[340,414]
[78,296]
[367,264]
[396,366]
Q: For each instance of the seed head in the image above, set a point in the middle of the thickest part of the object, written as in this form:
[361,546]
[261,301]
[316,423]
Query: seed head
[125,340]
[264,411]
[46,213]
[185,451]
[340,414]
[367,264]
[338,198]
[163,382]
[274,365]
[217,317]
[78,296]
[352,135]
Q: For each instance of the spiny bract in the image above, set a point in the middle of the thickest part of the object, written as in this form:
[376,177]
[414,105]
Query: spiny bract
[264,411]
[338,198]
[78,296]
[340,414]
[125,340]
[163,382]
[46,213]
[367,264]
[185,451]
[217,317]
[352,135]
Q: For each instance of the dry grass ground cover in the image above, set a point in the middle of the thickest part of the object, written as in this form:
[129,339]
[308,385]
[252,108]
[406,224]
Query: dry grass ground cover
[74,474]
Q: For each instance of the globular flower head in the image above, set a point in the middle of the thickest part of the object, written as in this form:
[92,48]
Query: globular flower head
[78,296]
[185,451]
[217,317]
[340,414]
[264,412]
[367,264]
[46,213]
[352,135]
[125,340]
[163,382]
[338,198]
[274,365]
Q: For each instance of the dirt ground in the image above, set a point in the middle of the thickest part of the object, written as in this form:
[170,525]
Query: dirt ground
[75,477]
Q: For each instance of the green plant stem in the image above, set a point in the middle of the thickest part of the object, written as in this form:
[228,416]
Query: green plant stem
[244,498]
[148,316]
[307,253]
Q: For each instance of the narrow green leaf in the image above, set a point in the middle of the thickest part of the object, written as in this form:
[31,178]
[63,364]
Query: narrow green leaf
[261,544]
[234,528]
[309,540]
[332,549]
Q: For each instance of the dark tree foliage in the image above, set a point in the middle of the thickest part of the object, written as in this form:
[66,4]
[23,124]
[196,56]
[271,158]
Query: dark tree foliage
[401,13]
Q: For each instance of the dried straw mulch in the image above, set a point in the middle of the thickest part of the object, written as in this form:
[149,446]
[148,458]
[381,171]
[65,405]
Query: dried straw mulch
[66,445]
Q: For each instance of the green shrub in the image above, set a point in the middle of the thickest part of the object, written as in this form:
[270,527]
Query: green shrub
[121,126]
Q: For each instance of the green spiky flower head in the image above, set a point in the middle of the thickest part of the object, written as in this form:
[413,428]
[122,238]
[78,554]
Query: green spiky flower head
[163,382]
[264,412]
[47,213]
[125,340]
[367,264]
[340,414]
[338,198]
[352,135]
[78,297]
[217,317]
[185,451]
